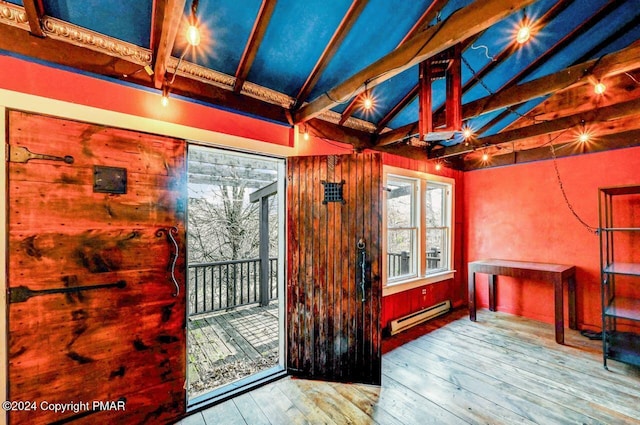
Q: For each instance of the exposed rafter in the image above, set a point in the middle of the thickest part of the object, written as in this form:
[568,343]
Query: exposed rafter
[168,29]
[35,12]
[332,47]
[550,52]
[421,24]
[461,25]
[614,63]
[608,113]
[625,139]
[251,49]
[511,48]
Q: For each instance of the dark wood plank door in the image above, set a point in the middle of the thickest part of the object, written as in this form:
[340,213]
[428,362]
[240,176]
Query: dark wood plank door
[332,333]
[92,314]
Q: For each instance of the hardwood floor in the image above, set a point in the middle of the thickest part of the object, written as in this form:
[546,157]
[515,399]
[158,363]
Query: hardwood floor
[501,369]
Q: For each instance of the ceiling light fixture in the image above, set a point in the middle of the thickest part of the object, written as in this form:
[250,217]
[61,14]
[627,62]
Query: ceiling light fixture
[584,136]
[485,157]
[164,100]
[524,33]
[367,99]
[438,166]
[599,88]
[305,135]
[524,30]
[193,33]
[467,133]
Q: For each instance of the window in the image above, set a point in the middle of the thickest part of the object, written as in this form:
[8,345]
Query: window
[418,225]
[402,228]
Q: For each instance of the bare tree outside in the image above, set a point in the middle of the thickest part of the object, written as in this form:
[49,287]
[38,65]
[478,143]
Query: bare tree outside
[232,334]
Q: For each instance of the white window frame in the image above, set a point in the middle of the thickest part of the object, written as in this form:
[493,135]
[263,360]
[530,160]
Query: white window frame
[395,285]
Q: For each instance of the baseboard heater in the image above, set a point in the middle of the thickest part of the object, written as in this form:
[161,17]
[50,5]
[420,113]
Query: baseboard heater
[413,319]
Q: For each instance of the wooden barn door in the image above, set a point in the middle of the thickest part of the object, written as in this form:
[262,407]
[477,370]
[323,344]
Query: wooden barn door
[333,326]
[94,313]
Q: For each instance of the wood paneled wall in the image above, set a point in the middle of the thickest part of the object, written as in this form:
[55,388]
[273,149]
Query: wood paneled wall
[122,341]
[332,334]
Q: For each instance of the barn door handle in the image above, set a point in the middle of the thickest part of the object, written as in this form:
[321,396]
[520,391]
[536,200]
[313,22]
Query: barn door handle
[22,155]
[363,266]
[176,251]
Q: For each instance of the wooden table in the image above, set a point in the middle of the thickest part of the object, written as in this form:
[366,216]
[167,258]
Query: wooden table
[555,273]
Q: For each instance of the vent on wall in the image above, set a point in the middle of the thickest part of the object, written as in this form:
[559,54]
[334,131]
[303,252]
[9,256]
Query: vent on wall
[413,319]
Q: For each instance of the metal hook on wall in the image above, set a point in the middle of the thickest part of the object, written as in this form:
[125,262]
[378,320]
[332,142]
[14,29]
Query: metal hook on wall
[170,235]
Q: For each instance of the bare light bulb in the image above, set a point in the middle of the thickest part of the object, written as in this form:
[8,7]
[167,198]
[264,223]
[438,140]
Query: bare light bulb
[305,136]
[438,166]
[584,137]
[467,133]
[599,88]
[193,35]
[524,33]
[368,103]
[485,157]
[164,100]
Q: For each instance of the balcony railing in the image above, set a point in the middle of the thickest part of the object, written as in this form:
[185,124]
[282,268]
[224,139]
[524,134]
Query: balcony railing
[224,285]
[399,264]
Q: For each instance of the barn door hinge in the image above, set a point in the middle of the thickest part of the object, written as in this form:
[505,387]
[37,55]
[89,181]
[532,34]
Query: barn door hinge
[21,154]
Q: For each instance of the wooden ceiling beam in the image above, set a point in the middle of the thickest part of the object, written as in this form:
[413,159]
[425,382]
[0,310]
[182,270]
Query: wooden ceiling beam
[549,53]
[35,11]
[425,19]
[168,29]
[622,140]
[325,130]
[421,24]
[330,50]
[411,95]
[253,44]
[511,48]
[612,64]
[608,113]
[460,26]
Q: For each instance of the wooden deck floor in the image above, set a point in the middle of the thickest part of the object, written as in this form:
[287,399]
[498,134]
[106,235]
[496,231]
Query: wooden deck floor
[501,369]
[227,346]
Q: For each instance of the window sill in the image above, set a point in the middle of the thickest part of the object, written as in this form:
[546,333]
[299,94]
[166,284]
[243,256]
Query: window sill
[406,285]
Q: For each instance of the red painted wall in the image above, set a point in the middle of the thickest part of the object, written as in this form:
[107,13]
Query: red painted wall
[519,213]
[41,80]
[397,305]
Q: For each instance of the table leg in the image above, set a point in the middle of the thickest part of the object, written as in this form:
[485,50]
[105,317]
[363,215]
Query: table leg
[573,320]
[559,305]
[472,295]
[492,292]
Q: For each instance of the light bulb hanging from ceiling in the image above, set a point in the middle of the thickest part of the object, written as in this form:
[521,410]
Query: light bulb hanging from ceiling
[193,32]
[164,100]
[524,30]
[599,88]
[584,135]
[305,135]
[367,99]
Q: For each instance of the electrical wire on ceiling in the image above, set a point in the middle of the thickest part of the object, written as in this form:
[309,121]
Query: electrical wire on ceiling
[588,227]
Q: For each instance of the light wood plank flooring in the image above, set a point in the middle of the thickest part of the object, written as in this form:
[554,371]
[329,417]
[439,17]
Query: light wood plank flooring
[502,369]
